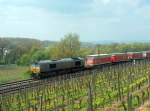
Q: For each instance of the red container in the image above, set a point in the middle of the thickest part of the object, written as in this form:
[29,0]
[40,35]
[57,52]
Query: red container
[135,55]
[146,54]
[98,59]
[118,57]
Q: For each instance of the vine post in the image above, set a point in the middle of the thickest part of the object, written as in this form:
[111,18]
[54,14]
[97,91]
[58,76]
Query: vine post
[90,101]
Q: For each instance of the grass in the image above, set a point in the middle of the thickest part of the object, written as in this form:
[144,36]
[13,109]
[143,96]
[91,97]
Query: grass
[10,73]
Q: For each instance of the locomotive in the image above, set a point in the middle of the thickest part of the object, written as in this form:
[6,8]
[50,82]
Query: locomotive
[46,68]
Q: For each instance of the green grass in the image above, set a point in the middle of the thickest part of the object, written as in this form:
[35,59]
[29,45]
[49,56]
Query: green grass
[10,73]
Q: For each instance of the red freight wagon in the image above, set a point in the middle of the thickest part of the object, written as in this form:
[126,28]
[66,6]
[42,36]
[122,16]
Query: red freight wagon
[146,54]
[118,57]
[135,55]
[98,59]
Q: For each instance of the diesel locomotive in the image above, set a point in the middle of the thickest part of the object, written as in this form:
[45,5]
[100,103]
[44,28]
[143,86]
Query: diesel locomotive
[46,68]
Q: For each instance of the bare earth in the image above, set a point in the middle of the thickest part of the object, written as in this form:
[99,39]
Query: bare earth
[144,106]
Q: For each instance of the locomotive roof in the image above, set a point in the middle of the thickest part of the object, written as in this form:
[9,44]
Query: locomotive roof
[44,61]
[60,60]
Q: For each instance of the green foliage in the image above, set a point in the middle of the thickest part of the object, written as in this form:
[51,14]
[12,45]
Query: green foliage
[86,51]
[11,49]
[122,47]
[69,46]
[34,55]
[25,59]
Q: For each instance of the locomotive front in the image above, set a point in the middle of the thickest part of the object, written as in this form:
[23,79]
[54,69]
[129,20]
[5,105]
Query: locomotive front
[35,69]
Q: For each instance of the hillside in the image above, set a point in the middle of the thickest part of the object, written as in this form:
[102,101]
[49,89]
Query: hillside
[45,43]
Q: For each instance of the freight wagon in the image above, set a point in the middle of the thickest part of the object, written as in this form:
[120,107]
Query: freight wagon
[135,55]
[146,54]
[98,59]
[119,57]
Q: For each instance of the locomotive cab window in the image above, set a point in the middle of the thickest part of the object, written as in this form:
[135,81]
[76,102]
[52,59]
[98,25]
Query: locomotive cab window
[78,63]
[52,66]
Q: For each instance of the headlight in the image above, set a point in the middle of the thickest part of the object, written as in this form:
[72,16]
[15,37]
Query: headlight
[35,69]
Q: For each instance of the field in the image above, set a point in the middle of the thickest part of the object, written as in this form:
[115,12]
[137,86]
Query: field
[116,88]
[11,73]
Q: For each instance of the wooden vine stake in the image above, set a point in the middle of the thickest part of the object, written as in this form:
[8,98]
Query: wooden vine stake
[90,102]
[129,102]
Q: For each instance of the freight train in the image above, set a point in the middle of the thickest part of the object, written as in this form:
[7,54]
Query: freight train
[45,68]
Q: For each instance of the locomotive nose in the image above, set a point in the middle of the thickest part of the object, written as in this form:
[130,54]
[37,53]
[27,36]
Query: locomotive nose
[35,69]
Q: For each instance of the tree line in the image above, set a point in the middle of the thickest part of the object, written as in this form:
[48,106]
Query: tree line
[24,51]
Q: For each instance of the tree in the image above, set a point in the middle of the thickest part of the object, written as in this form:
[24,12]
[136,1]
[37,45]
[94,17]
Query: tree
[69,46]
[4,46]
[35,54]
[24,60]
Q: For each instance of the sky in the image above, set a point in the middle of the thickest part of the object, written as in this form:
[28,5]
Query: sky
[92,20]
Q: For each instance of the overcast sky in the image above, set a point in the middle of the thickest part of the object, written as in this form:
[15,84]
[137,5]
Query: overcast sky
[93,20]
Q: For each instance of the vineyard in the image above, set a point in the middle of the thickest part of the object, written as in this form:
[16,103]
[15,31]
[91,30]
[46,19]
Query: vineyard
[122,87]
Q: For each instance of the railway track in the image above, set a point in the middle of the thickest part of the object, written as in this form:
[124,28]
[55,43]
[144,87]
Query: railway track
[32,83]
[12,87]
